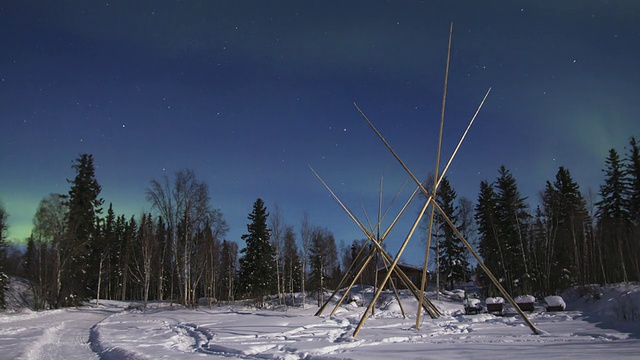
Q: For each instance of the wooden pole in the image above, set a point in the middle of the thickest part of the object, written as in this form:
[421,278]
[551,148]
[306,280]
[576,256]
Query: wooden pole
[435,183]
[431,309]
[464,241]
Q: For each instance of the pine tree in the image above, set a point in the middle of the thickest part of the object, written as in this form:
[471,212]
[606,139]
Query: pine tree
[80,269]
[566,217]
[489,247]
[452,258]
[632,169]
[257,265]
[110,245]
[512,229]
[117,258]
[127,241]
[613,220]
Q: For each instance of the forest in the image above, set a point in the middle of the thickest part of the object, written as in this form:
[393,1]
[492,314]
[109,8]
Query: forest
[77,251]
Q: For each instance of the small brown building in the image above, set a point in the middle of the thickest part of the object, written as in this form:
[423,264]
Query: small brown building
[413,273]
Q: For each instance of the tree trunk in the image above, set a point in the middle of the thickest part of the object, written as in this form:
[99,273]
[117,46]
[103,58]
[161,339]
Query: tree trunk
[99,278]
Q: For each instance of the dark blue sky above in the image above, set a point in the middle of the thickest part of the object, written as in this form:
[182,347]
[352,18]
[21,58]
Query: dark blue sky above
[248,93]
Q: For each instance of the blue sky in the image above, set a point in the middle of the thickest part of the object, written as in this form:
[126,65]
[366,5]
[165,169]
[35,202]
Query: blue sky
[248,94]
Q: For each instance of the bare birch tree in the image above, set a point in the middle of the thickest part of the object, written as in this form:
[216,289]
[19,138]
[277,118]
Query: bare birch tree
[305,238]
[185,206]
[277,230]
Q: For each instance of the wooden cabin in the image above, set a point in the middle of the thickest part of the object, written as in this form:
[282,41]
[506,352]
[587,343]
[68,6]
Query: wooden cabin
[413,273]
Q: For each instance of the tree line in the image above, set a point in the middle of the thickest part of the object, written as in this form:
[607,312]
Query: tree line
[179,252]
[570,238]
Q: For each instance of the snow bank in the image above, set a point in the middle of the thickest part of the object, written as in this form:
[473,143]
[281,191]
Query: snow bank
[494,300]
[19,295]
[619,302]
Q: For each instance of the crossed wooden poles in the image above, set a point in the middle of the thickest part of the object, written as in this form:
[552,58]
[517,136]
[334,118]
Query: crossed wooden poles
[377,242]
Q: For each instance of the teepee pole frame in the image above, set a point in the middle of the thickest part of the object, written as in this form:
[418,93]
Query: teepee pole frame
[429,307]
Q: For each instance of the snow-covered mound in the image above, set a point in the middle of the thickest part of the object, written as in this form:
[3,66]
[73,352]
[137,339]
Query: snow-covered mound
[555,301]
[494,300]
[525,299]
[620,302]
[471,302]
[19,296]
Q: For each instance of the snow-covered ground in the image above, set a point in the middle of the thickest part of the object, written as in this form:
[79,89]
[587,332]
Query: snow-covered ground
[604,323]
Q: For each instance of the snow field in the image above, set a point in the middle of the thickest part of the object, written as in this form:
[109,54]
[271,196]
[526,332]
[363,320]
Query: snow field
[589,329]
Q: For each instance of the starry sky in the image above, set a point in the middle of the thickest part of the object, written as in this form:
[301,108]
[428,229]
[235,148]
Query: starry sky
[249,93]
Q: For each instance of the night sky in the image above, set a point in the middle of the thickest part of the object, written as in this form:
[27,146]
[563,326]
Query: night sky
[249,93]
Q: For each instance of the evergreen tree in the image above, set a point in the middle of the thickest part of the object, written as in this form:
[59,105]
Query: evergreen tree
[110,249]
[452,258]
[4,279]
[566,217]
[502,218]
[117,258]
[633,177]
[127,241]
[489,246]
[614,220]
[257,265]
[84,205]
[512,229]
[537,250]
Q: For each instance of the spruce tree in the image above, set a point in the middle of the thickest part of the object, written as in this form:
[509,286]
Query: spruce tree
[566,217]
[109,237]
[257,264]
[632,167]
[78,246]
[453,264]
[489,246]
[613,220]
[512,229]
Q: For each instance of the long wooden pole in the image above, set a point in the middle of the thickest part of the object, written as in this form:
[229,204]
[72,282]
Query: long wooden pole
[393,266]
[435,183]
[369,236]
[488,272]
[346,274]
[453,227]
[431,309]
